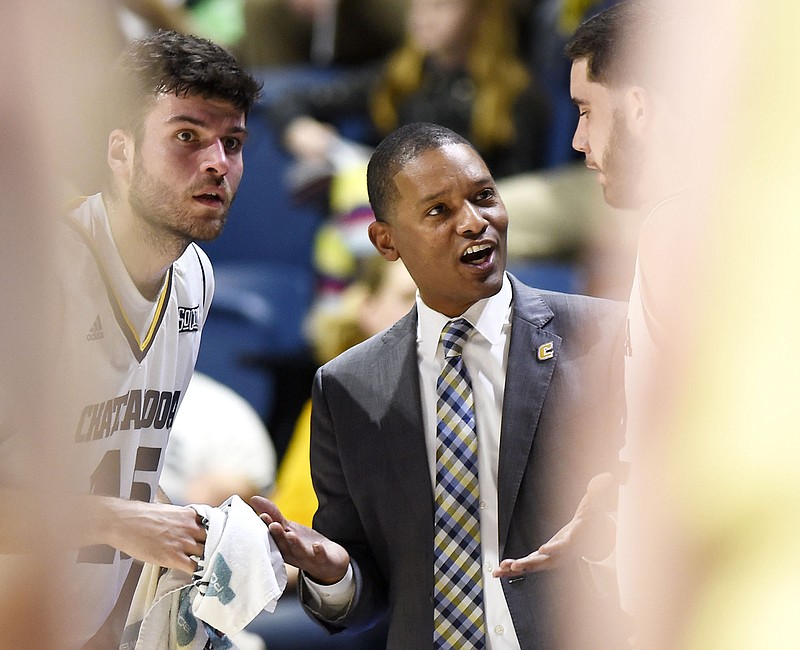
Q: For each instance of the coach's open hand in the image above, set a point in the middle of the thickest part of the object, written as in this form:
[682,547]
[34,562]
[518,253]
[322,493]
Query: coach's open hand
[324,561]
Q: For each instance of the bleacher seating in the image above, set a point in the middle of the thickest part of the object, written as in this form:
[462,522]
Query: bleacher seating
[263,265]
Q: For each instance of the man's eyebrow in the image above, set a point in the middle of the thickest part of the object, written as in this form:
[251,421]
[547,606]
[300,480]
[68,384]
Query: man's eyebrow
[202,123]
[478,182]
[431,197]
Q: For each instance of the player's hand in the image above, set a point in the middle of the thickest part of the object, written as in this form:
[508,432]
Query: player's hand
[324,561]
[589,533]
[161,534]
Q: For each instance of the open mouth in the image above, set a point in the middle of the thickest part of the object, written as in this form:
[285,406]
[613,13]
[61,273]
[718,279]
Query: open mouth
[477,254]
[209,198]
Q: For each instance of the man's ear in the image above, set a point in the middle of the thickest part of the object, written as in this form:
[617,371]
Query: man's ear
[638,110]
[120,153]
[380,234]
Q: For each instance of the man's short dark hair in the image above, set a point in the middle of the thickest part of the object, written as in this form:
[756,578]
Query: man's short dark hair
[397,149]
[611,41]
[173,63]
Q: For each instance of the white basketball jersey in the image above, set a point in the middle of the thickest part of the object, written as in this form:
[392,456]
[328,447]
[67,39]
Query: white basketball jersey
[127,364]
[646,343]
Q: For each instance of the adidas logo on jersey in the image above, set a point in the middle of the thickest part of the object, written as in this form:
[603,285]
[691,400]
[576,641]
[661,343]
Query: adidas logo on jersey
[96,331]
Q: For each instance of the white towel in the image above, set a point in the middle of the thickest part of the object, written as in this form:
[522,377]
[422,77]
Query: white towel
[240,574]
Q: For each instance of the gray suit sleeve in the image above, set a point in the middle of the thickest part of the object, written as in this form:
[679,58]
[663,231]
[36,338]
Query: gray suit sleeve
[337,517]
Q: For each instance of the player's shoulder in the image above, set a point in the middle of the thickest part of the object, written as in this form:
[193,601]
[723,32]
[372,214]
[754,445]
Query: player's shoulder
[71,263]
[194,266]
[582,303]
[194,260]
[194,277]
[544,303]
[76,218]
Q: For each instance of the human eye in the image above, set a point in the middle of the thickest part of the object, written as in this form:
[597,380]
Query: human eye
[486,194]
[185,136]
[232,144]
[436,210]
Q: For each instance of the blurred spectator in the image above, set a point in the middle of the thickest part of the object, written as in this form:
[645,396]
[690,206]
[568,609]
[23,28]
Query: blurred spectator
[382,294]
[320,32]
[221,21]
[458,67]
[559,215]
[219,446]
[139,17]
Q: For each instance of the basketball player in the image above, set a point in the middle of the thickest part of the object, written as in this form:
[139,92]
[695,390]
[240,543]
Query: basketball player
[135,290]
[637,131]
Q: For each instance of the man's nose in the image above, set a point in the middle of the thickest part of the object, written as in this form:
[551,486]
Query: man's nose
[216,159]
[579,140]
[471,220]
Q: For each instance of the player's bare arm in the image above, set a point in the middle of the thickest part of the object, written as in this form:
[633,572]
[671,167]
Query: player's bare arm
[161,534]
[166,535]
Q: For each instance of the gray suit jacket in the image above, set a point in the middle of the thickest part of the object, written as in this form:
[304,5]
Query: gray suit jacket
[561,425]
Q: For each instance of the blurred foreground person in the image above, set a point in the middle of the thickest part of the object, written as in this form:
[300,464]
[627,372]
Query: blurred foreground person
[133,291]
[629,128]
[734,475]
[708,518]
[35,115]
[708,436]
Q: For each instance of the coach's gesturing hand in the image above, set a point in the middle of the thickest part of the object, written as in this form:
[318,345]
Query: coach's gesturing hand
[324,561]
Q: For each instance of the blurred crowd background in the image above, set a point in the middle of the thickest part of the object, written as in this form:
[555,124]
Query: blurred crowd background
[339,75]
[297,281]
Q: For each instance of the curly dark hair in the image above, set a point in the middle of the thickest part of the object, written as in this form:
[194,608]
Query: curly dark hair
[173,63]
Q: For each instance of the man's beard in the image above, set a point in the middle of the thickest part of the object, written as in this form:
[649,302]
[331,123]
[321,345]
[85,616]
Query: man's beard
[623,166]
[160,207]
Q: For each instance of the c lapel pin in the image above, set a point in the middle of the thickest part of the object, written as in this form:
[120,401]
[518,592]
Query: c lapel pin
[545,351]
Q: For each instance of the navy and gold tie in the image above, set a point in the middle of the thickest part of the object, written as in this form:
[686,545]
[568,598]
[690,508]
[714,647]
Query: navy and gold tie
[458,584]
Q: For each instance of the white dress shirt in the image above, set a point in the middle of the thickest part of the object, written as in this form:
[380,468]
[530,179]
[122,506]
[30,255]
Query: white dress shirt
[485,355]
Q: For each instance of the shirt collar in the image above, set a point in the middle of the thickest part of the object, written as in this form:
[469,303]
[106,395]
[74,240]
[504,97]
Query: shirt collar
[488,316]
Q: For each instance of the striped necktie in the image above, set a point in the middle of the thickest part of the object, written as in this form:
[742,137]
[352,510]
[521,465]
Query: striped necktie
[458,585]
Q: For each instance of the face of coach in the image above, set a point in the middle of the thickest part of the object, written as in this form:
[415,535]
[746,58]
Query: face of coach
[447,222]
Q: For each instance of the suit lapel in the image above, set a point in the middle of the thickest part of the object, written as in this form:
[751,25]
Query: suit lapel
[532,357]
[527,382]
[403,431]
